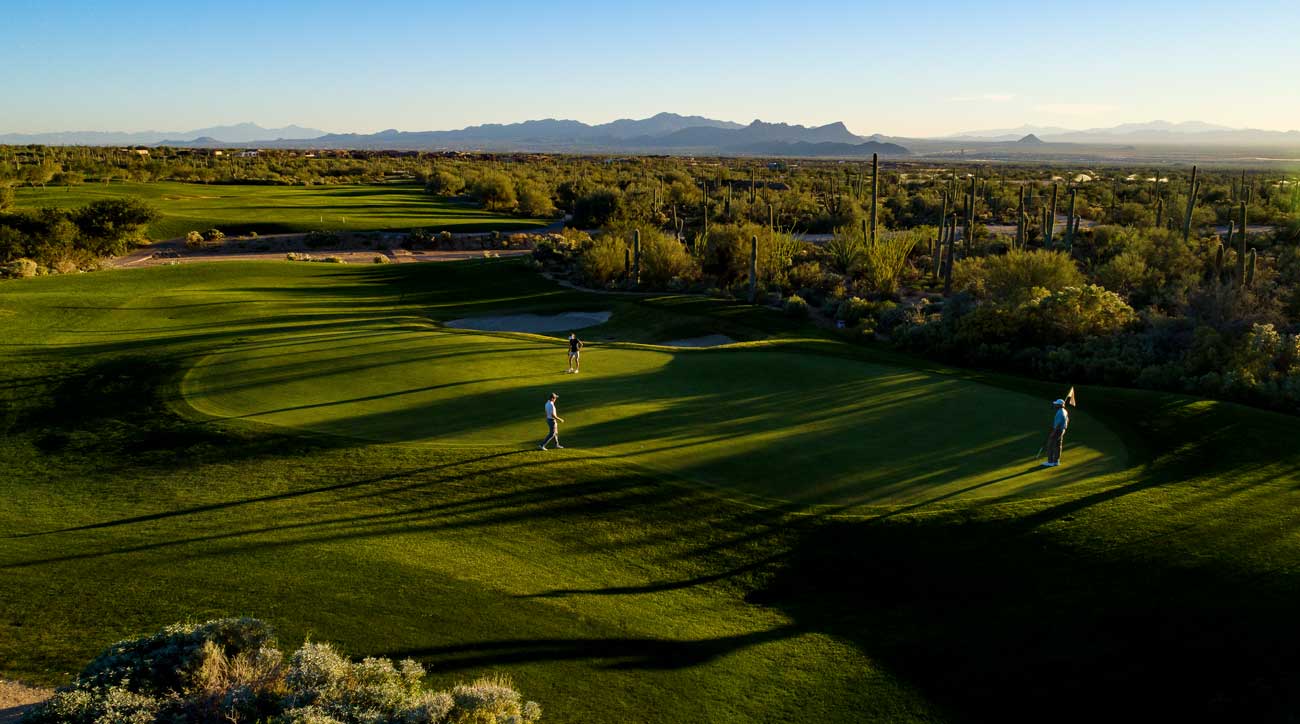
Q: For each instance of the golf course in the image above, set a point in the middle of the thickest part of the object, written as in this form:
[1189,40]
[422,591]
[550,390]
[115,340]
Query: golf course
[241,209]
[789,527]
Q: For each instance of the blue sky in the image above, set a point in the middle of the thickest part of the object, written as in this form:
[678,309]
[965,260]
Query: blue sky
[891,67]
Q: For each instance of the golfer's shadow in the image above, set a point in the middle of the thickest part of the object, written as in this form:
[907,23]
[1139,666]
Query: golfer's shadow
[955,493]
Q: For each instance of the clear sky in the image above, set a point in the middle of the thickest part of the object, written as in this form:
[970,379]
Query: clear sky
[900,68]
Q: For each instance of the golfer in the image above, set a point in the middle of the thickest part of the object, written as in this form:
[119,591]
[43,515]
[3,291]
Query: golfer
[575,352]
[1057,435]
[552,424]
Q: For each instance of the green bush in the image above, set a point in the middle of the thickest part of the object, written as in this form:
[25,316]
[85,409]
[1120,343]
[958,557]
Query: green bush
[380,259]
[796,307]
[854,310]
[194,240]
[664,259]
[603,259]
[230,670]
[1013,277]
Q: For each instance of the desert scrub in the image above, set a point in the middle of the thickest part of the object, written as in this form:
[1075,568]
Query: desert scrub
[20,268]
[230,670]
[320,239]
[796,307]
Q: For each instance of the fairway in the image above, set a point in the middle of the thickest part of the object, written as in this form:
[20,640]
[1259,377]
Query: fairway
[790,528]
[269,209]
[774,424]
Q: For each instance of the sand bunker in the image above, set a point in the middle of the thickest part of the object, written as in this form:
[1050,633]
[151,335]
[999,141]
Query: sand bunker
[535,323]
[710,340]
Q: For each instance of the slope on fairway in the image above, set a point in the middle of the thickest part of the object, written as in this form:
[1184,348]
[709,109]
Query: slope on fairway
[765,421]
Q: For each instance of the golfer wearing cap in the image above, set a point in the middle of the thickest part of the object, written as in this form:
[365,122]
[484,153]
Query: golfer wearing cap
[552,424]
[1057,435]
[575,352]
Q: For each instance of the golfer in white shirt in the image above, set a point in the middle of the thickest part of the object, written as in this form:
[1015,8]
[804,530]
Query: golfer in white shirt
[552,424]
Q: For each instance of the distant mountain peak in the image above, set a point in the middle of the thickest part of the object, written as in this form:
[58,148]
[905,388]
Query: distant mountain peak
[1030,139]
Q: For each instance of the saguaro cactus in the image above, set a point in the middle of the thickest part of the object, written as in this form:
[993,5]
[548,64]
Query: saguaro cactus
[1069,220]
[1160,212]
[753,268]
[753,185]
[1241,245]
[970,215]
[1192,189]
[1020,220]
[1049,228]
[1250,269]
[636,256]
[952,247]
[875,192]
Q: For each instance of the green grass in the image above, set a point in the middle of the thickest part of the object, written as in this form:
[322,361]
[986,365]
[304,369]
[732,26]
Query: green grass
[794,529]
[284,209]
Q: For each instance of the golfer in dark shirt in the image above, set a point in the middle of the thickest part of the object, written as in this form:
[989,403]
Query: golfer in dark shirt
[575,352]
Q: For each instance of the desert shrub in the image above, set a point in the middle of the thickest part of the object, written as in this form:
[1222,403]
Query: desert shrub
[419,239]
[664,259]
[213,236]
[597,207]
[380,259]
[796,307]
[1124,273]
[807,276]
[230,670]
[20,268]
[603,259]
[320,239]
[194,240]
[883,261]
[444,183]
[534,200]
[853,310]
[331,260]
[495,190]
[298,256]
[846,250]
[1013,277]
[1066,315]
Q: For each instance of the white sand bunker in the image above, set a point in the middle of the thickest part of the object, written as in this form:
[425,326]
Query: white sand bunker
[709,340]
[535,323]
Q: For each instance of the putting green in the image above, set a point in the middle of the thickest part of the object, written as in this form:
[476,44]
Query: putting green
[762,421]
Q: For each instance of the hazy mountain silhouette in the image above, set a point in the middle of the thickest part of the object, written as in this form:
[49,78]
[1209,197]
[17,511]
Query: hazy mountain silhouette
[238,133]
[1188,133]
[661,133]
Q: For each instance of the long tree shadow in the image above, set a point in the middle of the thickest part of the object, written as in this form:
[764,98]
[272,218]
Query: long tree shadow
[614,653]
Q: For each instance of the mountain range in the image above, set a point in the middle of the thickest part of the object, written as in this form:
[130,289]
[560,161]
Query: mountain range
[661,133]
[238,133]
[1192,133]
[670,133]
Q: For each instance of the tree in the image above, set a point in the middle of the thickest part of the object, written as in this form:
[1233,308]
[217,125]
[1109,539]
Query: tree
[40,173]
[495,190]
[534,200]
[444,183]
[110,225]
[597,208]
